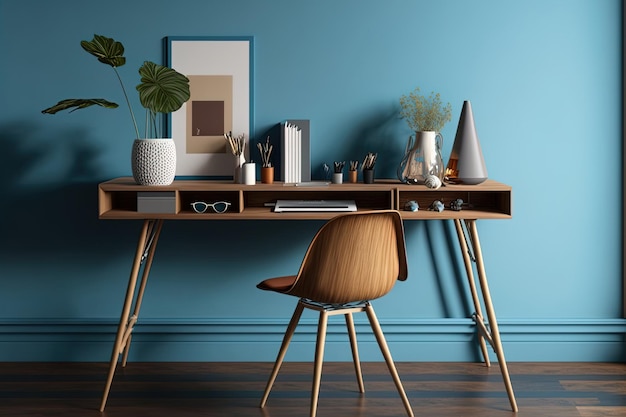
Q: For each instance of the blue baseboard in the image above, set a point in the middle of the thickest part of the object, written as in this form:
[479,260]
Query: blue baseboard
[243,340]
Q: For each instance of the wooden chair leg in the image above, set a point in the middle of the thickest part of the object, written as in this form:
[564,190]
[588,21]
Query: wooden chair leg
[319,361]
[355,351]
[380,337]
[291,328]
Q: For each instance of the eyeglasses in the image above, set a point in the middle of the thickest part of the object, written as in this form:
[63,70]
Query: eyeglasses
[218,206]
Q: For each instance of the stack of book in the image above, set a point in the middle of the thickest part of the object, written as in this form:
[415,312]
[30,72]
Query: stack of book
[296,165]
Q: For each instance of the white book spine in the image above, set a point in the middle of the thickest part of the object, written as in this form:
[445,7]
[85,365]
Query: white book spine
[283,145]
[291,152]
[287,153]
[298,155]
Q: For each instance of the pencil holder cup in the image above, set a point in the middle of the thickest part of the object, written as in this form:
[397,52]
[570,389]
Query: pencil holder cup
[238,172]
[338,178]
[267,175]
[368,176]
[353,176]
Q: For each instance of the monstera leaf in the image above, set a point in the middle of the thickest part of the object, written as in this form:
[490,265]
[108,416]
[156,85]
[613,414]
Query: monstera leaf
[162,89]
[79,103]
[107,50]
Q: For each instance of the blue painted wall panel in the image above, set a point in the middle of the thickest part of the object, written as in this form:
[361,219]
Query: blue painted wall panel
[544,79]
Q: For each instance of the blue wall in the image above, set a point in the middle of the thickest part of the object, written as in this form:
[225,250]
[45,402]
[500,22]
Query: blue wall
[544,79]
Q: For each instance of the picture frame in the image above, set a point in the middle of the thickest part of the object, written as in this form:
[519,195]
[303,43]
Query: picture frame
[220,71]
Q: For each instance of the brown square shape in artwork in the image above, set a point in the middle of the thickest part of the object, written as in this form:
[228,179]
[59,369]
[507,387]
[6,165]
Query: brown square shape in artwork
[207,118]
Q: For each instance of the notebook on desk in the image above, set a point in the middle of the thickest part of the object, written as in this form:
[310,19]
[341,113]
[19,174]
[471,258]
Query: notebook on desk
[283,206]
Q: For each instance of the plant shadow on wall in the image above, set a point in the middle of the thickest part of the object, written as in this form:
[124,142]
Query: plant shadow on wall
[48,182]
[384,132]
[376,132]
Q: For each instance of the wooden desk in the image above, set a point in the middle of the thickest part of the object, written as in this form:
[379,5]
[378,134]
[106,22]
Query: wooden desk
[489,200]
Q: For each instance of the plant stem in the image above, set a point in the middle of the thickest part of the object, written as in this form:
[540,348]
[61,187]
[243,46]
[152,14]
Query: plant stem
[154,126]
[132,115]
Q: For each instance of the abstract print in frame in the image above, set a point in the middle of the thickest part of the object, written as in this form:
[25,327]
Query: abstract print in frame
[220,72]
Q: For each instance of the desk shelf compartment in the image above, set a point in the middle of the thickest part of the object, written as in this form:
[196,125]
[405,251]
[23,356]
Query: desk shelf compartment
[364,199]
[480,202]
[122,201]
[234,197]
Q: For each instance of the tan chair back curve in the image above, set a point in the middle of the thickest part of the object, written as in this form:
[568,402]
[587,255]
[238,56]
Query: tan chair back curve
[353,257]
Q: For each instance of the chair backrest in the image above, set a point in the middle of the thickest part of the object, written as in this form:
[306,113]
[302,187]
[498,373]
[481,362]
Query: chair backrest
[353,257]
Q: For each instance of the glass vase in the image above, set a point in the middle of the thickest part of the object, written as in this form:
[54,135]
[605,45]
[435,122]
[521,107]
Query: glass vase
[422,158]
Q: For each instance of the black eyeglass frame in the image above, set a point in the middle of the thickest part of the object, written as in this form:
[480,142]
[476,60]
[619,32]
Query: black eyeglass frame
[212,205]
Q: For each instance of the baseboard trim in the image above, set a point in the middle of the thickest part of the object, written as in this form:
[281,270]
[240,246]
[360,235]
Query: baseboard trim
[233,339]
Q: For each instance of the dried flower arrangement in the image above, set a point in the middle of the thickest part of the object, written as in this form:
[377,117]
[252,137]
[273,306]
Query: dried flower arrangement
[424,113]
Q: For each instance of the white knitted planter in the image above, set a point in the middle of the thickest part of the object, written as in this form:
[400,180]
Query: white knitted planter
[154,161]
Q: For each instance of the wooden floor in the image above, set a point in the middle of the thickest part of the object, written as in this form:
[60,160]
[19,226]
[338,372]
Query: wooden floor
[234,389]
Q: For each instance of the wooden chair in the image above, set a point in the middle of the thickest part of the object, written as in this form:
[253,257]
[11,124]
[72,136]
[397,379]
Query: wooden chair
[353,259]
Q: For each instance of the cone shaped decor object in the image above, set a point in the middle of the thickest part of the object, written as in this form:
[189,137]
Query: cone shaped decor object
[466,164]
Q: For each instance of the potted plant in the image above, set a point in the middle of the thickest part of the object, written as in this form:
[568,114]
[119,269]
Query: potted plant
[426,116]
[162,90]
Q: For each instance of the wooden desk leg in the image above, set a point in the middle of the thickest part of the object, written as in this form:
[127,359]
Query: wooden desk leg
[146,246]
[493,336]
[469,270]
[154,231]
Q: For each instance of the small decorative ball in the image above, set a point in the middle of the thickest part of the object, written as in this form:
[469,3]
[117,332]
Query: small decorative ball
[456,205]
[437,205]
[432,181]
[411,206]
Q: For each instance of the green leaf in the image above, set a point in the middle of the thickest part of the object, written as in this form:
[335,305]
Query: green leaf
[107,50]
[79,103]
[162,89]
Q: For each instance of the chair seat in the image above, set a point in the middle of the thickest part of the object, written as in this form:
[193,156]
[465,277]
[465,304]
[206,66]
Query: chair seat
[278,284]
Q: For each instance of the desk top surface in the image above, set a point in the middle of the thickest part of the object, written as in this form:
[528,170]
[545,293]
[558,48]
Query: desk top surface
[127,183]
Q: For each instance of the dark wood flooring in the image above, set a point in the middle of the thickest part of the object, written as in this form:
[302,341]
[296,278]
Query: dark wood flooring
[234,389]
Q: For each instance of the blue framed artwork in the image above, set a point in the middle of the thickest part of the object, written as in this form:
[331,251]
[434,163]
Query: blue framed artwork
[220,72]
